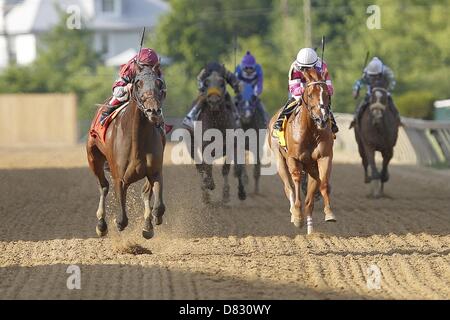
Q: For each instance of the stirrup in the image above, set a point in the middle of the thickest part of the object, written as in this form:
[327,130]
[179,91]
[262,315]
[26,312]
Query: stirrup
[187,122]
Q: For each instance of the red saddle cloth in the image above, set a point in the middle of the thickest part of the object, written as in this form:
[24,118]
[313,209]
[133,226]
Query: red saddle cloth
[97,129]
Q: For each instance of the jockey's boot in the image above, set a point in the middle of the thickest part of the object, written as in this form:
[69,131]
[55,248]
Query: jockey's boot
[334,127]
[289,106]
[113,104]
[359,111]
[193,114]
[105,114]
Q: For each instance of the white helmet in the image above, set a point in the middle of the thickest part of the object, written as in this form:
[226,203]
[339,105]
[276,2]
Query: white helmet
[374,67]
[306,58]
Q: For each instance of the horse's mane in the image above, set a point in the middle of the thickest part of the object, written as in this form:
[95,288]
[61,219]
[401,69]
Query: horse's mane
[313,74]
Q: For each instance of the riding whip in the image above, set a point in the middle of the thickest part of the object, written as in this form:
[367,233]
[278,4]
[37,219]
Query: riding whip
[323,50]
[142,43]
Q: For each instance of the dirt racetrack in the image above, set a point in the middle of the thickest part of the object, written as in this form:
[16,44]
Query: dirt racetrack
[248,250]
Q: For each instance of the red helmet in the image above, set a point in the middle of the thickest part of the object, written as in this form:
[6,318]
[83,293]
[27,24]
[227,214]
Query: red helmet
[148,57]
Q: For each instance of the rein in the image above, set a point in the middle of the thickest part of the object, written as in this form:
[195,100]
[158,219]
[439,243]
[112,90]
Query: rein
[380,89]
[322,106]
[138,101]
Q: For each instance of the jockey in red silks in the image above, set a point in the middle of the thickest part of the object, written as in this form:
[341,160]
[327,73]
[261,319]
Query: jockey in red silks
[306,58]
[123,85]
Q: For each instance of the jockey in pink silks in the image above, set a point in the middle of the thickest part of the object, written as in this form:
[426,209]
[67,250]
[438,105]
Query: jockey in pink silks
[306,58]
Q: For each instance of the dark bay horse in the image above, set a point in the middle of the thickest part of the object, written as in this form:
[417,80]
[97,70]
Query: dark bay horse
[377,130]
[215,117]
[252,119]
[134,150]
[309,143]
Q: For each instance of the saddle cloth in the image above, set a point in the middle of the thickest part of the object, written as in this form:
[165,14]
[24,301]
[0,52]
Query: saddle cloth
[98,130]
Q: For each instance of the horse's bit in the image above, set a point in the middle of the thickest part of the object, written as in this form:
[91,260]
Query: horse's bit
[139,103]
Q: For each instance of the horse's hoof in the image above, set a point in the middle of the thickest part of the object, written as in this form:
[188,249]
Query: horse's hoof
[157,220]
[121,226]
[330,218]
[101,228]
[208,184]
[148,234]
[367,180]
[242,195]
[101,233]
[298,222]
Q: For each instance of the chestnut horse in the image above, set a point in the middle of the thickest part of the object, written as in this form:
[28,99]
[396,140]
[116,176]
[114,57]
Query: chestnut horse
[216,117]
[309,143]
[134,150]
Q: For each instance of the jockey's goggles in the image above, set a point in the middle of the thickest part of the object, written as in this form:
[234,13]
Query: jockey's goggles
[249,69]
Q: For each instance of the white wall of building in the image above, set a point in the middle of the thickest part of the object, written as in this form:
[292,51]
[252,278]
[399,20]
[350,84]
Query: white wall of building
[25,49]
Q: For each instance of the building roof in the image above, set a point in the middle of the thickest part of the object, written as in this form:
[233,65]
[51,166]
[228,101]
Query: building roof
[36,16]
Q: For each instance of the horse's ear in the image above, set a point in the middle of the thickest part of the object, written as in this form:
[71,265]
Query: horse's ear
[139,67]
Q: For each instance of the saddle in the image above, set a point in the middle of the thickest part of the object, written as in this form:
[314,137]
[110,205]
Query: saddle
[98,130]
[281,135]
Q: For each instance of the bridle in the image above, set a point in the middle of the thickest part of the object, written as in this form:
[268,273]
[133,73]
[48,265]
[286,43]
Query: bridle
[323,108]
[139,103]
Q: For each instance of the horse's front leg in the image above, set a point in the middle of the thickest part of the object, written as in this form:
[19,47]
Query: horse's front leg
[96,162]
[311,190]
[207,182]
[325,165]
[370,154]
[241,185]
[121,193]
[226,183]
[387,156]
[257,172]
[295,170]
[365,163]
[147,191]
[159,208]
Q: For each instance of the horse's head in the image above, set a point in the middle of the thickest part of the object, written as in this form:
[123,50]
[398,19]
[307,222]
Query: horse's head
[316,98]
[247,104]
[215,90]
[378,101]
[149,92]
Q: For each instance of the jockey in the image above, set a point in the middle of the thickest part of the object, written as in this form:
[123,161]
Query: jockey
[306,58]
[375,70]
[251,72]
[122,86]
[205,73]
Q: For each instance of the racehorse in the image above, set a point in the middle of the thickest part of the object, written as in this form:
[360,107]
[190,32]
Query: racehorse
[309,148]
[377,130]
[133,147]
[216,115]
[252,119]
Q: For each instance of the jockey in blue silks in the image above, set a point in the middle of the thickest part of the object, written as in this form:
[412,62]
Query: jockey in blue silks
[251,72]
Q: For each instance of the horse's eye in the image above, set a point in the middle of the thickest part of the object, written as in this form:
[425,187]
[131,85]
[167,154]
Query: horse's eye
[310,96]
